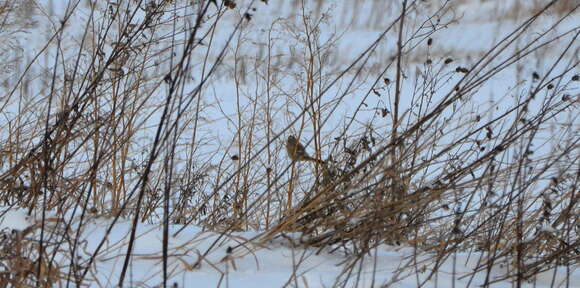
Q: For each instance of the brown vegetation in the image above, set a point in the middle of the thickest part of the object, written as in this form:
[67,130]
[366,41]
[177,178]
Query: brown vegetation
[122,123]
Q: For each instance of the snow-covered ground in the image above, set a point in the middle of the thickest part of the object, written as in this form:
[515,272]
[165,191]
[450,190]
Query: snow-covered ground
[284,261]
[272,263]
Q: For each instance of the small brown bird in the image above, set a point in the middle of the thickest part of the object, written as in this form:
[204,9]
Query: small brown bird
[297,152]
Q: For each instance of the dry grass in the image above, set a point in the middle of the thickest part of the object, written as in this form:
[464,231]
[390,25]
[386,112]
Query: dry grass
[123,124]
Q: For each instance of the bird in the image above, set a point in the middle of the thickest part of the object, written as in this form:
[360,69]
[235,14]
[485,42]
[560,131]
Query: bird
[297,152]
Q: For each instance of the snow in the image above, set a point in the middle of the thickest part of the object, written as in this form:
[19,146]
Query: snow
[269,264]
[273,263]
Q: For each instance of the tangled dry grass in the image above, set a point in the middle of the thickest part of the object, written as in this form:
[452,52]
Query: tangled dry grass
[122,121]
